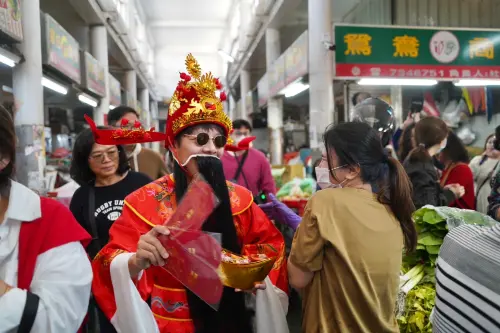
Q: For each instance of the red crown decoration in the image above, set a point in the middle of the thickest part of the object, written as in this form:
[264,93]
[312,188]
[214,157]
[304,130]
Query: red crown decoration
[195,102]
[124,135]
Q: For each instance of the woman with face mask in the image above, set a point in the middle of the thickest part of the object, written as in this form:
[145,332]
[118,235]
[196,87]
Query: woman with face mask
[346,253]
[431,135]
[483,168]
[455,160]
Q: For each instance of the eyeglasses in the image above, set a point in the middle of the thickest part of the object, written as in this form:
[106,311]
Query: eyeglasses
[112,155]
[202,139]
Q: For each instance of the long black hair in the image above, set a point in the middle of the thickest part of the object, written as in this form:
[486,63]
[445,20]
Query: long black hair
[7,149]
[232,315]
[455,150]
[80,170]
[357,144]
[406,142]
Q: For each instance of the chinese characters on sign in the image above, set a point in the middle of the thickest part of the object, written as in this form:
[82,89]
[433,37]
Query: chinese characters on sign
[93,78]
[481,48]
[358,44]
[406,46]
[61,50]
[377,51]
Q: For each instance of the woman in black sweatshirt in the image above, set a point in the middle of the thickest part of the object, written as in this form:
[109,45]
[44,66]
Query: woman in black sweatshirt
[430,138]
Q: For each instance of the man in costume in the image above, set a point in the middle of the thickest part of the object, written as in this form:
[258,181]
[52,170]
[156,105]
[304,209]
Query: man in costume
[45,274]
[128,273]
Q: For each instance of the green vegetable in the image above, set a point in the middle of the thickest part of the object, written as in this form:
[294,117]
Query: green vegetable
[413,282]
[419,304]
[418,282]
[415,271]
[428,238]
[433,249]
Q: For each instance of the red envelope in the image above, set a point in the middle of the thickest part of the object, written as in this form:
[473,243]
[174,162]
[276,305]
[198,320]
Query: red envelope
[194,256]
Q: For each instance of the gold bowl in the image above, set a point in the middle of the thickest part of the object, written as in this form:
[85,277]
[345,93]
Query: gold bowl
[244,276]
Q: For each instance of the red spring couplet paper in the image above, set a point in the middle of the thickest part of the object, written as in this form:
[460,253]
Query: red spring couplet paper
[194,255]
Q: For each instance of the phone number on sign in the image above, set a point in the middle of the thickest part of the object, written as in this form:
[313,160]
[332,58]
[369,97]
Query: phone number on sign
[458,72]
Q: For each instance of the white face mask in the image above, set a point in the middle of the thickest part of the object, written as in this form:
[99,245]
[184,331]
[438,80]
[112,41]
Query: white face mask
[323,179]
[443,145]
[238,138]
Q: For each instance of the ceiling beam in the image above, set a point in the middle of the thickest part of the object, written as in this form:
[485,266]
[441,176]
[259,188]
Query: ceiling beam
[188,24]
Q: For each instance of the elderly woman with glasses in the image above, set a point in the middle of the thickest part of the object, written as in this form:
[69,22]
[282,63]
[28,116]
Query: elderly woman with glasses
[103,172]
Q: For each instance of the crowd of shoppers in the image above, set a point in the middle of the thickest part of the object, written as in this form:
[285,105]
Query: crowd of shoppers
[345,256]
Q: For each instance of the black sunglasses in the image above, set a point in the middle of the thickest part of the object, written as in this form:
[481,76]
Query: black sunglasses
[202,139]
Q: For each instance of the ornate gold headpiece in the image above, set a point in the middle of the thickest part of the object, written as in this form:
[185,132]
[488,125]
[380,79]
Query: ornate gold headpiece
[195,101]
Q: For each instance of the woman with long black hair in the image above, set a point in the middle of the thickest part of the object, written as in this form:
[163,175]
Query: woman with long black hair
[430,139]
[347,250]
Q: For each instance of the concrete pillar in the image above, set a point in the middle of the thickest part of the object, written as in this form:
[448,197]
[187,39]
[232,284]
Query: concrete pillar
[99,49]
[274,105]
[232,107]
[28,93]
[155,122]
[244,89]
[144,99]
[146,115]
[131,84]
[321,99]
[397,103]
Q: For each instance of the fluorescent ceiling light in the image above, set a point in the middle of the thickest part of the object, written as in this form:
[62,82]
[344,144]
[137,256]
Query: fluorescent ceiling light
[111,107]
[7,89]
[8,58]
[396,82]
[294,88]
[87,100]
[7,61]
[52,85]
[227,57]
[476,83]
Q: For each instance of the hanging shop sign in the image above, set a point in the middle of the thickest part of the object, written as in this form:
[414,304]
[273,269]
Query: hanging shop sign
[93,80]
[277,76]
[10,19]
[60,50]
[407,52]
[115,95]
[263,90]
[296,59]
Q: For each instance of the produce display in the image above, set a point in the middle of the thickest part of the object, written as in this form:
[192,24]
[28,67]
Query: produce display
[278,176]
[297,189]
[417,281]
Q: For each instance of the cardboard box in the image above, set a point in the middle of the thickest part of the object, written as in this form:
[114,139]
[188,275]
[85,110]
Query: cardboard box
[291,172]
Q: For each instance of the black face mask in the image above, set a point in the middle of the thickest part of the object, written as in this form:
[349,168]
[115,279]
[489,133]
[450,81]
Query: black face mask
[5,175]
[496,144]
[437,163]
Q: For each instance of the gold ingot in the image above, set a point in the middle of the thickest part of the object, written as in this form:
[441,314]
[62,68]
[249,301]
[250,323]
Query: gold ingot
[244,276]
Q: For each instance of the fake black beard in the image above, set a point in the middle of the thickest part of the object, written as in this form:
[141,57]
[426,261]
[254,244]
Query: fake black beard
[5,182]
[232,316]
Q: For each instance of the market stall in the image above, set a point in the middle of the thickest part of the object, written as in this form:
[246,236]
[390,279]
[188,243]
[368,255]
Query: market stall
[452,72]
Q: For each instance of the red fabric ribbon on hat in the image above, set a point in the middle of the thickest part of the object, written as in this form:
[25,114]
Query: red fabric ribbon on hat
[124,136]
[244,144]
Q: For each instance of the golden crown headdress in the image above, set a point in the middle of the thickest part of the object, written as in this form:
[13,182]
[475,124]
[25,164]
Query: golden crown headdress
[195,101]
